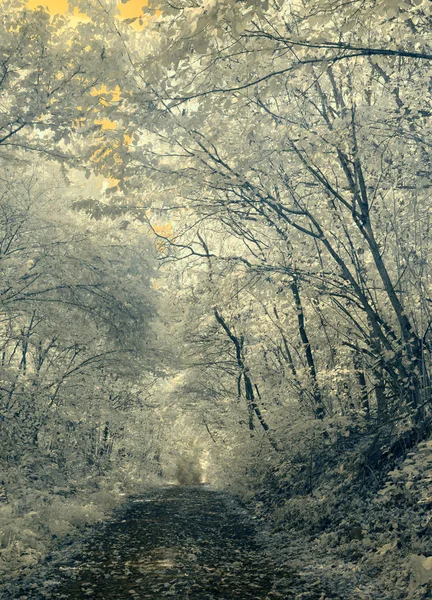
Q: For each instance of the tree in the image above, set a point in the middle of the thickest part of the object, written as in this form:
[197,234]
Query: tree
[76,342]
[47,64]
[260,126]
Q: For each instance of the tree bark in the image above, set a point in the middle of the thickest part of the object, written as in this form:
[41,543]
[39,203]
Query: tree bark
[253,407]
[318,408]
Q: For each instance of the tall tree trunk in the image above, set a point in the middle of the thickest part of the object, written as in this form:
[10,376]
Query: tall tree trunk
[252,405]
[318,407]
[418,376]
[286,353]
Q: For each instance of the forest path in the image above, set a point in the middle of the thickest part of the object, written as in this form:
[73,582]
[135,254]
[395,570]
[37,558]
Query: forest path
[187,543]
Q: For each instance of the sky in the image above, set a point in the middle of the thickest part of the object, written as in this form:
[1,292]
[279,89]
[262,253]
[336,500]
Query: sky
[132,8]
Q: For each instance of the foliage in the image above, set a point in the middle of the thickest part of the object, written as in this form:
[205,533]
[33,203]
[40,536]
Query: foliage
[76,354]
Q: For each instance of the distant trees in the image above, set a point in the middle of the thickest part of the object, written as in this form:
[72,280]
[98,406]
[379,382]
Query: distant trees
[76,344]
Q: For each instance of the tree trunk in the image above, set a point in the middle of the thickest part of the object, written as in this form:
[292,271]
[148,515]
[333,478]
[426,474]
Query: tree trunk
[318,408]
[252,406]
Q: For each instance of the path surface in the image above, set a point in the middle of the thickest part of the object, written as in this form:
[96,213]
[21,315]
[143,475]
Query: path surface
[187,543]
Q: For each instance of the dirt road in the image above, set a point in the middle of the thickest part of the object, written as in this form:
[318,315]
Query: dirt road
[188,543]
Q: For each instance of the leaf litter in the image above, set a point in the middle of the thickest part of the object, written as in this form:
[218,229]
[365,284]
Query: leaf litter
[185,542]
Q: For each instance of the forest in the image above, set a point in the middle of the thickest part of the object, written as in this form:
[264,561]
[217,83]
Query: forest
[215,255]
